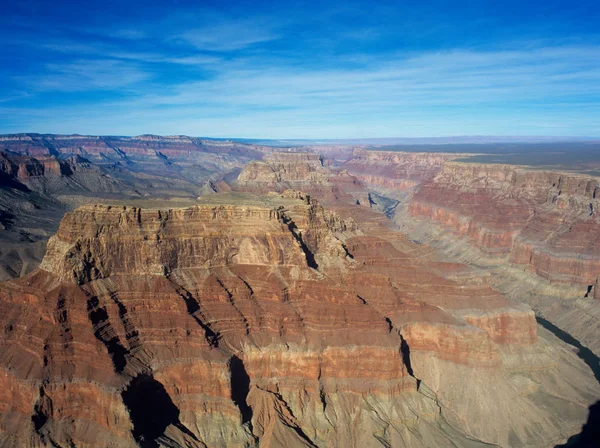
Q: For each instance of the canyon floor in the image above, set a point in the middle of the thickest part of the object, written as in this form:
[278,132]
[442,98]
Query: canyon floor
[183,292]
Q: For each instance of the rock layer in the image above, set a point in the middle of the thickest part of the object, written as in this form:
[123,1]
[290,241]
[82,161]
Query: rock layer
[545,220]
[300,170]
[531,233]
[393,170]
[268,321]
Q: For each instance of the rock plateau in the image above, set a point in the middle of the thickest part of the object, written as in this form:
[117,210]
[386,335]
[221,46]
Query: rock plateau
[290,312]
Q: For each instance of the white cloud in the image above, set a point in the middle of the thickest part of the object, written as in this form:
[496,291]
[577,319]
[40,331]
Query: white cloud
[229,35]
[454,78]
[522,91]
[84,75]
[112,52]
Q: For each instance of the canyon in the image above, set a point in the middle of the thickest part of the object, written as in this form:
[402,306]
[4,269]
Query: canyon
[283,298]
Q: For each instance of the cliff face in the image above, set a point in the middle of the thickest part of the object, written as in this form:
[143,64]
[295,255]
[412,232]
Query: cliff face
[121,147]
[157,242]
[533,234]
[284,168]
[305,171]
[22,168]
[543,219]
[44,175]
[161,164]
[395,170]
[267,322]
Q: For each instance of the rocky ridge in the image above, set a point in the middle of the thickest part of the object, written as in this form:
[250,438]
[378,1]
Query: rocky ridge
[279,319]
[255,321]
[393,171]
[301,170]
[44,175]
[531,233]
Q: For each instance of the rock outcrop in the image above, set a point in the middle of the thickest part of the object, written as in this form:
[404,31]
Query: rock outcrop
[533,234]
[269,321]
[280,171]
[543,219]
[22,168]
[396,170]
[123,147]
[44,175]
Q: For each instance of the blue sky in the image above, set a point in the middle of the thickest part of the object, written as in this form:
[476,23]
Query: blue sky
[328,69]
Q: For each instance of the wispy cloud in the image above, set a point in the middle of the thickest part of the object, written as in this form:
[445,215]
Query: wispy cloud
[229,36]
[433,79]
[130,33]
[425,94]
[105,52]
[257,70]
[85,75]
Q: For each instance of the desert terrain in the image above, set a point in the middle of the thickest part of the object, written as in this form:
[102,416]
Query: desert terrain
[187,292]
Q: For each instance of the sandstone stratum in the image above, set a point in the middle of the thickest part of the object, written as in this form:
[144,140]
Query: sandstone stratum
[270,321]
[279,171]
[531,233]
[43,175]
[283,298]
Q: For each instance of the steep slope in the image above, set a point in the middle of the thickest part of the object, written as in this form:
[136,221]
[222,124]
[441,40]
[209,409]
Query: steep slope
[536,231]
[393,171]
[301,170]
[531,233]
[42,176]
[269,321]
[34,195]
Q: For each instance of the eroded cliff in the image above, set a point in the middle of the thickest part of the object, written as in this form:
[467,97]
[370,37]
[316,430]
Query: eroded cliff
[393,170]
[270,321]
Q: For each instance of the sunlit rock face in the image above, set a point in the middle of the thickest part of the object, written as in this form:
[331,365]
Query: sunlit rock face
[44,175]
[532,234]
[270,321]
[280,171]
[545,220]
[391,170]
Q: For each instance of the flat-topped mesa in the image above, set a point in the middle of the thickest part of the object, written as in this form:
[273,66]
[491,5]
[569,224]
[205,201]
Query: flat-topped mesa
[285,156]
[163,138]
[547,220]
[280,171]
[98,241]
[290,168]
[394,169]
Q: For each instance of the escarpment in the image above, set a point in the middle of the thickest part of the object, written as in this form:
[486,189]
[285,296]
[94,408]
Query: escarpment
[156,242]
[18,168]
[278,168]
[302,171]
[533,234]
[268,321]
[392,170]
[545,220]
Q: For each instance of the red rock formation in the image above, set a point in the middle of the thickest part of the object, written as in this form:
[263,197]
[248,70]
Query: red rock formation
[145,146]
[301,170]
[260,320]
[394,170]
[278,169]
[543,219]
[43,175]
[23,168]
